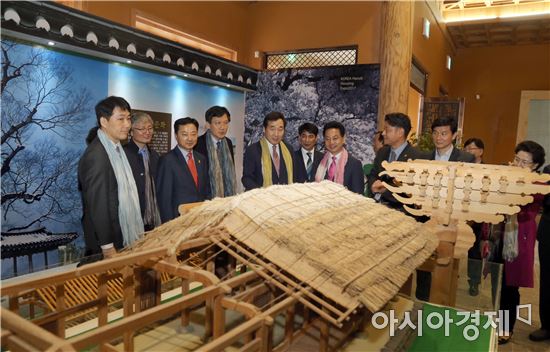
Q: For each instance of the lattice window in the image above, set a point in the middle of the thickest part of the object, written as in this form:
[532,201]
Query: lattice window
[312,58]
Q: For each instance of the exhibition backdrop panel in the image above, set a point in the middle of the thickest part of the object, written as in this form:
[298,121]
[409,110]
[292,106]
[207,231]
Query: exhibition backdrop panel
[47,111]
[348,94]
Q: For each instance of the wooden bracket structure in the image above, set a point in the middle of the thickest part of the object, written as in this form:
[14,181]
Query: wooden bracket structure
[452,193]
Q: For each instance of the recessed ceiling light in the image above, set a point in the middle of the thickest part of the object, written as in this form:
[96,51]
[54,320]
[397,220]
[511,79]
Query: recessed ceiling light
[50,43]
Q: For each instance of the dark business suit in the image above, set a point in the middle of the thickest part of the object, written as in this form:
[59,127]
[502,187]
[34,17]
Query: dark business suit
[202,148]
[353,175]
[138,169]
[354,179]
[409,152]
[458,155]
[300,173]
[543,236]
[175,184]
[252,168]
[99,190]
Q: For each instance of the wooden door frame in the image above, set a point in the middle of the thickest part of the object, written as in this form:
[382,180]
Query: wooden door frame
[523,117]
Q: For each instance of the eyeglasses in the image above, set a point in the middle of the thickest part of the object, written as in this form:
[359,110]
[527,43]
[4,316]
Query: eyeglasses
[471,149]
[522,162]
[143,130]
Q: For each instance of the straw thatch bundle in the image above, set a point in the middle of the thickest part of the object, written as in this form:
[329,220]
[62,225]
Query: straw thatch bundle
[344,245]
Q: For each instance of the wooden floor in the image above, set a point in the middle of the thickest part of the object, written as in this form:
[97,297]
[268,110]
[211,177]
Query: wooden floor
[520,341]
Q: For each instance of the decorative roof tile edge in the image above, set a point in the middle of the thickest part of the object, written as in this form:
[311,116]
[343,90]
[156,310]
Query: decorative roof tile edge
[80,32]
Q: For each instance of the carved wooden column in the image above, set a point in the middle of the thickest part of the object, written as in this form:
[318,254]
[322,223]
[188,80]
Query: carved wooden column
[396,56]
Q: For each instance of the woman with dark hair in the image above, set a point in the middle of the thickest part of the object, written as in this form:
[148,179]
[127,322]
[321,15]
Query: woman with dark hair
[519,257]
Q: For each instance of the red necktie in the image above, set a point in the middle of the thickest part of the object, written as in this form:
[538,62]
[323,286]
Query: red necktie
[192,168]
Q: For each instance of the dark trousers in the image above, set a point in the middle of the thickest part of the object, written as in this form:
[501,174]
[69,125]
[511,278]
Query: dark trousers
[509,300]
[544,297]
[423,285]
[474,262]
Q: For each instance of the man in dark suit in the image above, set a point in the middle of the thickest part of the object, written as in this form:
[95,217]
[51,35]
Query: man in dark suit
[543,236]
[111,216]
[307,158]
[182,174]
[269,161]
[144,162]
[218,150]
[396,130]
[338,165]
[444,132]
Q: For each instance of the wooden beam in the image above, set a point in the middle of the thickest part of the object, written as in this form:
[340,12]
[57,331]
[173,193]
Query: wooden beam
[33,335]
[187,272]
[136,321]
[47,279]
[396,57]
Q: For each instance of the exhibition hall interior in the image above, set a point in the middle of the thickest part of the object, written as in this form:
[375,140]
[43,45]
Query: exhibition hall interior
[275,175]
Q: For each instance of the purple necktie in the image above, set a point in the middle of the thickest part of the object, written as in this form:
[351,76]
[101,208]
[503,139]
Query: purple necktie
[276,159]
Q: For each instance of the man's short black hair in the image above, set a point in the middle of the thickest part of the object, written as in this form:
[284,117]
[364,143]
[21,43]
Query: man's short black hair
[334,124]
[446,121]
[216,111]
[476,141]
[105,107]
[185,121]
[274,116]
[533,148]
[308,127]
[398,119]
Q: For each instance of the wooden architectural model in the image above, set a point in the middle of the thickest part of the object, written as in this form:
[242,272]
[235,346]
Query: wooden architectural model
[305,256]
[452,193]
[314,254]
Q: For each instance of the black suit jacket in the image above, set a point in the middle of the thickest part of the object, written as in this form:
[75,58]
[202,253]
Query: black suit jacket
[544,224]
[458,155]
[138,169]
[409,152]
[300,173]
[201,147]
[175,184]
[354,180]
[252,168]
[99,190]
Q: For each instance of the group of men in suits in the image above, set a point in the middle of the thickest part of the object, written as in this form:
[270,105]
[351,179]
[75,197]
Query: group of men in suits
[396,130]
[129,189]
[127,193]
[271,161]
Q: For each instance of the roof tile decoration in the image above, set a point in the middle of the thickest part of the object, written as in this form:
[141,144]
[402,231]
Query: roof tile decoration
[317,237]
[40,240]
[92,35]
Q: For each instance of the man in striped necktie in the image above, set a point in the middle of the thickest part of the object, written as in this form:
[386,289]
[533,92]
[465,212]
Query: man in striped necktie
[307,158]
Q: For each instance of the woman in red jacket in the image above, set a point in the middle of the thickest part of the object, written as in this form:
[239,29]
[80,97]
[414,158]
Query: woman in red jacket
[519,266]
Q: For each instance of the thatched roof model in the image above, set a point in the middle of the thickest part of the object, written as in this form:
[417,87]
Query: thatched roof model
[346,247]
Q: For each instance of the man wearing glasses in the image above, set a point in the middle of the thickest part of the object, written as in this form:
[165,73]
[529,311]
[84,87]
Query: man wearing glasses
[144,161]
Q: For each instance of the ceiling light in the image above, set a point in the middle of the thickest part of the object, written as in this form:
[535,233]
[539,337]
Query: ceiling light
[512,15]
[467,19]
